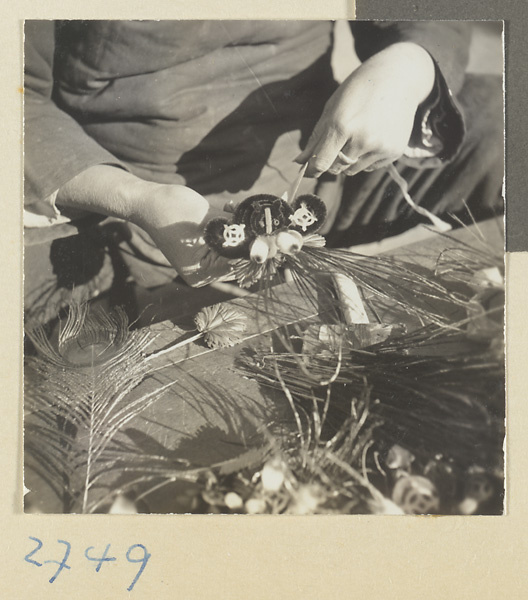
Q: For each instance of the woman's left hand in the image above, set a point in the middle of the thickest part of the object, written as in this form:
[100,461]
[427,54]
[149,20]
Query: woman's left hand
[175,217]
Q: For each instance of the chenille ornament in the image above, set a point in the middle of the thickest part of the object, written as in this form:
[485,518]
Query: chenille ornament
[233,235]
[264,230]
[303,217]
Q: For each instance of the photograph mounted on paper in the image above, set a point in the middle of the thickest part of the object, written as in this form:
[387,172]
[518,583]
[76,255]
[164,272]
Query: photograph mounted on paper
[263,267]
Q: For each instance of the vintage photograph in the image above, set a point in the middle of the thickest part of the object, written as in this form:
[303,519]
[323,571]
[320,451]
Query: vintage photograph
[264,267]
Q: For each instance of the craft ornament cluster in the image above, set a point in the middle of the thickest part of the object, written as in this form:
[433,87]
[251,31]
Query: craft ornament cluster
[265,228]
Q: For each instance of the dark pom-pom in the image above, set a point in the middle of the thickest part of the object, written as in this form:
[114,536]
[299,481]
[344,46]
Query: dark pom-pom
[245,209]
[281,211]
[254,214]
[309,214]
[268,218]
[228,239]
[214,233]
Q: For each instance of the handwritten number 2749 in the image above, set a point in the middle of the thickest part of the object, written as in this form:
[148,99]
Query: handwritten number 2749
[100,560]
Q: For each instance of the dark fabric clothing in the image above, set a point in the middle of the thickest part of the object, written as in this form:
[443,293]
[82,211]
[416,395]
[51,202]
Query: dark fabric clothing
[220,106]
[446,41]
[55,146]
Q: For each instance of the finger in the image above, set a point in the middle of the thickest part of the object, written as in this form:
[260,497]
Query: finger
[306,154]
[348,156]
[364,162]
[322,148]
[324,154]
[380,164]
[214,264]
[342,163]
[211,268]
[347,159]
[229,207]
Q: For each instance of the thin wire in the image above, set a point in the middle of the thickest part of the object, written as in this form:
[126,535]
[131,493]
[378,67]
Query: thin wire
[438,223]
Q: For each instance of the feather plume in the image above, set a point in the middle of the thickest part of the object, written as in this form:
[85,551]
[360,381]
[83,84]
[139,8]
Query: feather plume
[78,398]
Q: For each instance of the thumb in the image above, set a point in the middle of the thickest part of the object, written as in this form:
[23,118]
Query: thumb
[306,154]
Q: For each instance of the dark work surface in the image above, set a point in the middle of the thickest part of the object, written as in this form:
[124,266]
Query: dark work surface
[215,412]
[514,13]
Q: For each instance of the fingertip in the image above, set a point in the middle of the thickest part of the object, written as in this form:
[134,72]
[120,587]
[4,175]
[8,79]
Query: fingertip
[300,158]
[229,207]
[313,173]
[306,154]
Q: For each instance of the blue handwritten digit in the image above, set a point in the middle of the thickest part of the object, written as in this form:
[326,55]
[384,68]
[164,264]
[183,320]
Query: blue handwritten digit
[143,561]
[101,559]
[28,558]
[62,564]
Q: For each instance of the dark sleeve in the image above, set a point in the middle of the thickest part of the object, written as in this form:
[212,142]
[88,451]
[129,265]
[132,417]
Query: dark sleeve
[56,148]
[448,44]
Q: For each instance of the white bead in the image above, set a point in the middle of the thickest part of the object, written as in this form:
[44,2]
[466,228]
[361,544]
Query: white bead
[272,477]
[233,500]
[289,242]
[259,250]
